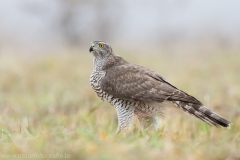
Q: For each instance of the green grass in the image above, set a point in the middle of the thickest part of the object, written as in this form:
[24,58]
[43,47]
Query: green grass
[48,107]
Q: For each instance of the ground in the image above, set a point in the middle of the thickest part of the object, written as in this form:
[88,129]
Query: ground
[49,110]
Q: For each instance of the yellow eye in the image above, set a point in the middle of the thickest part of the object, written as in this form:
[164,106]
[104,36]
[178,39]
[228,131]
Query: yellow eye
[101,45]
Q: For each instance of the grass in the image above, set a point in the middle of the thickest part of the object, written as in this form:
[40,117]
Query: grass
[49,109]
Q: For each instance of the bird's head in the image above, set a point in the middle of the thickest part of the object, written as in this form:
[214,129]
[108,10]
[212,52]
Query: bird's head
[100,49]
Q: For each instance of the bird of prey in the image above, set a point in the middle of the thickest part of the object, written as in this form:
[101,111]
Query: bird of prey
[136,90]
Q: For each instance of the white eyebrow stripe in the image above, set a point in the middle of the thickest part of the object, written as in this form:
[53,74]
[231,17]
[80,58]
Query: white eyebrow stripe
[98,42]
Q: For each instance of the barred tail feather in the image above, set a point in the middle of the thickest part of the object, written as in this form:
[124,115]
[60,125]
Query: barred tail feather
[203,113]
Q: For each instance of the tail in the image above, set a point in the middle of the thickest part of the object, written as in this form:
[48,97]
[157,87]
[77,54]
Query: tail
[203,113]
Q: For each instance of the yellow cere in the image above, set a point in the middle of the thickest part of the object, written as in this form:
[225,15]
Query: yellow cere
[92,45]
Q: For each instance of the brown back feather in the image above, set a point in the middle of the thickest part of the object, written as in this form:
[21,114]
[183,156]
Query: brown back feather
[134,82]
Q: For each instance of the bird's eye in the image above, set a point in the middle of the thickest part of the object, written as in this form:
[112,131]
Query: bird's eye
[101,45]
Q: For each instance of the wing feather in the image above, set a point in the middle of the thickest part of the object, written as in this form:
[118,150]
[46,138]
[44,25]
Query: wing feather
[130,82]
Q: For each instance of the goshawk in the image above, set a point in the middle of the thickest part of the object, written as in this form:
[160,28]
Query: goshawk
[136,90]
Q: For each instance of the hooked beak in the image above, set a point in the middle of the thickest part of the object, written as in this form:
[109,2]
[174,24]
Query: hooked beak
[91,49]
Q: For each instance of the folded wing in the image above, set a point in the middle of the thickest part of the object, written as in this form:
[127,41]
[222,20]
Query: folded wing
[133,82]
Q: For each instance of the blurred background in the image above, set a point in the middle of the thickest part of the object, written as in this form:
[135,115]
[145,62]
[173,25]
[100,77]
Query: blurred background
[43,26]
[47,105]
